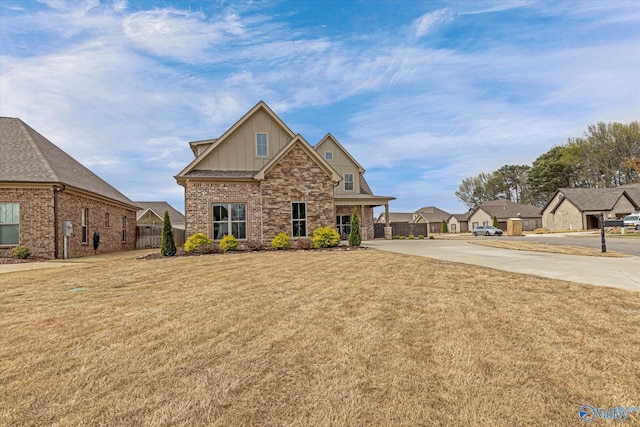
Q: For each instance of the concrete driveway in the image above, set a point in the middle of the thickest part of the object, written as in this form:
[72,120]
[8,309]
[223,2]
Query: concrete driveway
[621,273]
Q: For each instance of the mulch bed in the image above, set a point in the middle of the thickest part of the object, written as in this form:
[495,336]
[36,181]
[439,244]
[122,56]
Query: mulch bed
[182,253]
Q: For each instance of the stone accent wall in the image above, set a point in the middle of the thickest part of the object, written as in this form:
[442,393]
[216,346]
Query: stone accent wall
[200,196]
[297,178]
[70,206]
[36,219]
[365,215]
[37,223]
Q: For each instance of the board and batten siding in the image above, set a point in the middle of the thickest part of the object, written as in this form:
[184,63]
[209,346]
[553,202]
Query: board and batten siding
[238,151]
[342,164]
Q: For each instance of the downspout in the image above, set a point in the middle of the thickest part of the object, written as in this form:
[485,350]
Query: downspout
[56,190]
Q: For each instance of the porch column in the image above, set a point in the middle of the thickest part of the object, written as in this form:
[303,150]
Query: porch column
[363,228]
[388,233]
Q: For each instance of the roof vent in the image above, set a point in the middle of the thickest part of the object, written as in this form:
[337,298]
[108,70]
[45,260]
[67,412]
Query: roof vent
[561,197]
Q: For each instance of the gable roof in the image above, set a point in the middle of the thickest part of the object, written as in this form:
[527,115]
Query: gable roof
[158,208]
[28,157]
[504,208]
[299,141]
[215,143]
[594,199]
[344,150]
[431,214]
[397,216]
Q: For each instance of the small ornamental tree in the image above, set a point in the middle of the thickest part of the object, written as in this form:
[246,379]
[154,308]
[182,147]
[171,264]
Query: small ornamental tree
[445,228]
[168,246]
[354,235]
[495,221]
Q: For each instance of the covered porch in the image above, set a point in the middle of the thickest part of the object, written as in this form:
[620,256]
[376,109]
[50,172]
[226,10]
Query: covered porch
[363,204]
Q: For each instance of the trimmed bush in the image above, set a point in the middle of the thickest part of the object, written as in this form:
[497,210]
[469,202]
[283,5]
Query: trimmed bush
[325,237]
[431,236]
[281,241]
[354,235]
[168,246]
[195,241]
[20,252]
[421,237]
[495,221]
[304,244]
[445,227]
[229,243]
[411,237]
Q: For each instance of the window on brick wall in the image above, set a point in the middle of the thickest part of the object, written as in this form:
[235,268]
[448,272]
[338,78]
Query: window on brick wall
[85,225]
[9,223]
[124,229]
[298,219]
[343,224]
[230,218]
[106,220]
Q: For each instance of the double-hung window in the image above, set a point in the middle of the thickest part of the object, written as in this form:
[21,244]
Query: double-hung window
[298,219]
[9,223]
[348,181]
[230,218]
[124,229]
[261,145]
[85,225]
[343,223]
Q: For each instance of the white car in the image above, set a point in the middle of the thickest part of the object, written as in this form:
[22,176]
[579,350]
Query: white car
[632,220]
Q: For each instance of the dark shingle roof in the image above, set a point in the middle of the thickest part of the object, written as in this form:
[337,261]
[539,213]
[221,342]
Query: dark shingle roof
[503,208]
[597,199]
[27,156]
[433,214]
[159,208]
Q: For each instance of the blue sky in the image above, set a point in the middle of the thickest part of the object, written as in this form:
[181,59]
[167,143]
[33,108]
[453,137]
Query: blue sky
[422,93]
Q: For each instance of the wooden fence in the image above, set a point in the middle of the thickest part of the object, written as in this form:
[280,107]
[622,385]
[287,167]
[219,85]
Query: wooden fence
[400,229]
[150,236]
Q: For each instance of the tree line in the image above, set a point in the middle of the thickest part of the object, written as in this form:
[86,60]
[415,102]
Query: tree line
[608,155]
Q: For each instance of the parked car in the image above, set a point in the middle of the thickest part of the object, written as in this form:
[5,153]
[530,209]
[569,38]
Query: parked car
[487,230]
[632,220]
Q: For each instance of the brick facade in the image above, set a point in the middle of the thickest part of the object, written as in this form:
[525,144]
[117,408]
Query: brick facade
[296,178]
[365,216]
[200,197]
[37,223]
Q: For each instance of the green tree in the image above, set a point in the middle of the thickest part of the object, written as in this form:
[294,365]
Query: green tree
[168,246]
[479,189]
[495,221]
[557,168]
[354,235]
[444,227]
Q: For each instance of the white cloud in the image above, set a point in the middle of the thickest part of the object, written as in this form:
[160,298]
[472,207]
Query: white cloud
[430,21]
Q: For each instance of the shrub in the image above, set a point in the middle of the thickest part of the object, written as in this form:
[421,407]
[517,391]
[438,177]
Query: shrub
[228,243]
[195,241]
[20,252]
[411,237]
[431,236]
[304,244]
[168,246]
[495,221]
[253,245]
[281,241]
[325,237]
[354,235]
[397,237]
[445,227]
[209,248]
[421,237]
[403,237]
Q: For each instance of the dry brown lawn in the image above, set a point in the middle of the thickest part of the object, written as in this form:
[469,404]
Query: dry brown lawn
[546,247]
[362,338]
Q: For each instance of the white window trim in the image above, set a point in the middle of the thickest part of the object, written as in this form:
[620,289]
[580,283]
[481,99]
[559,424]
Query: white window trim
[229,221]
[85,225]
[13,224]
[353,184]
[266,138]
[306,229]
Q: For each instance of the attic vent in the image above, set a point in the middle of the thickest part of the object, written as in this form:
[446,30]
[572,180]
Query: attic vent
[561,197]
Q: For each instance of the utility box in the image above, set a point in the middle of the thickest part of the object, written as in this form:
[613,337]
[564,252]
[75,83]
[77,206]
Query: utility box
[514,227]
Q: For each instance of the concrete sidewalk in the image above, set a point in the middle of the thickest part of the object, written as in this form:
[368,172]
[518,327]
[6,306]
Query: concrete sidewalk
[623,273]
[11,268]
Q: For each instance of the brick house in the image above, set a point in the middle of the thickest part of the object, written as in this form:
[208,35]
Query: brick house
[580,208]
[259,179]
[503,210]
[42,189]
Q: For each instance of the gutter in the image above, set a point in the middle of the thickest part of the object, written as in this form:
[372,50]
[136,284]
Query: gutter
[56,190]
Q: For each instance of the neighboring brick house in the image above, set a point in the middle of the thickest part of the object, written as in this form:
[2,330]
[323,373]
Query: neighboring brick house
[42,188]
[580,208]
[503,210]
[431,216]
[259,179]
